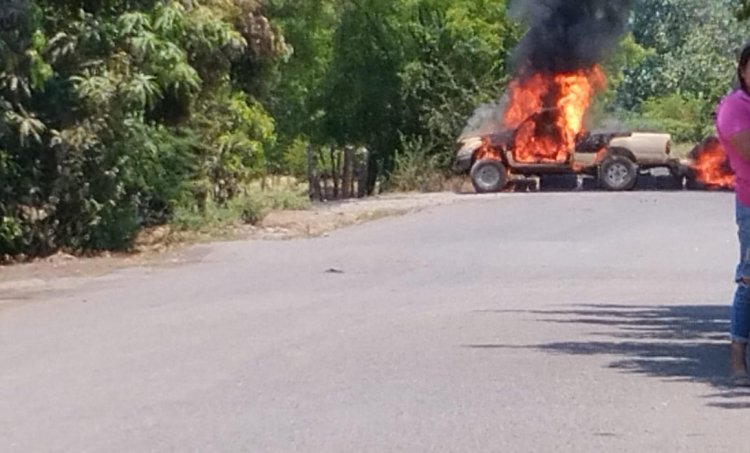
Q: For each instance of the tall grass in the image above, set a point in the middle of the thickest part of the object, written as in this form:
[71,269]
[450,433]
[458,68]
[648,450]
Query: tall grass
[249,208]
[417,169]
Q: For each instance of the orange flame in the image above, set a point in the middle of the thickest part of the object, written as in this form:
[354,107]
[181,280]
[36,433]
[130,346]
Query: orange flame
[711,166]
[547,111]
[487,151]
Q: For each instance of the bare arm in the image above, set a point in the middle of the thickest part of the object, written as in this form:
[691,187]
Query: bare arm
[741,142]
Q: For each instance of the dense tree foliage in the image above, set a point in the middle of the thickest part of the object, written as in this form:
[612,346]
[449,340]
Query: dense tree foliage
[689,63]
[117,114]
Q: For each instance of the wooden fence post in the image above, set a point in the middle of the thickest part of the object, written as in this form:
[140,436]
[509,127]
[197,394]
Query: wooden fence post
[347,183]
[313,181]
[362,172]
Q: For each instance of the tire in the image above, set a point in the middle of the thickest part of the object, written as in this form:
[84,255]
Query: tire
[488,176]
[618,173]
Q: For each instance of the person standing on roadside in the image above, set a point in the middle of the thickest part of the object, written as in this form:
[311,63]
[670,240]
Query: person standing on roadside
[733,128]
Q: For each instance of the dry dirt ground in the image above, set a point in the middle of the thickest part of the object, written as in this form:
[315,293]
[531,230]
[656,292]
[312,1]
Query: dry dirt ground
[160,247]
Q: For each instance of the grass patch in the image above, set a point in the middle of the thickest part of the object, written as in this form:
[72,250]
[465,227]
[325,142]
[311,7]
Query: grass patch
[250,209]
[417,170]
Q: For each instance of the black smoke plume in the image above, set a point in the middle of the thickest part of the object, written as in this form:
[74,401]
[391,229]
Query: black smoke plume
[563,36]
[568,35]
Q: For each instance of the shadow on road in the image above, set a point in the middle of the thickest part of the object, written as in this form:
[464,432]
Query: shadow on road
[674,343]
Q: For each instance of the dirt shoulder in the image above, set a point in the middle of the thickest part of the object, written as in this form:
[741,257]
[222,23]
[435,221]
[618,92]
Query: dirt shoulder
[162,247]
[324,218]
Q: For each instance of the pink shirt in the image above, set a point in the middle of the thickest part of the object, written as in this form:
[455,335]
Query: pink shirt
[733,116]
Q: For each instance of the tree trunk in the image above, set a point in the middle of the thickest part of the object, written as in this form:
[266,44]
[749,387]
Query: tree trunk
[322,177]
[363,175]
[371,172]
[347,183]
[313,181]
[334,174]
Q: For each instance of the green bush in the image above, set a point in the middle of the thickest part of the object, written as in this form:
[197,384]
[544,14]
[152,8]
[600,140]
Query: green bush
[416,170]
[295,158]
[287,199]
[249,208]
[686,117]
[119,115]
[210,217]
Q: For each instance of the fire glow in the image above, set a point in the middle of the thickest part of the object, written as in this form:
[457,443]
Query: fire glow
[547,112]
[711,167]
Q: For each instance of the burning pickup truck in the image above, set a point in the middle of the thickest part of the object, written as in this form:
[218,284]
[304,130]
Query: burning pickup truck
[615,159]
[541,131]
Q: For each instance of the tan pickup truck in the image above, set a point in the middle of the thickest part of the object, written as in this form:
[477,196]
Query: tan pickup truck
[615,159]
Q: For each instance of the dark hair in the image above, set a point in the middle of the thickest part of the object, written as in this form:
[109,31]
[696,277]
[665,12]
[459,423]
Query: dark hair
[743,60]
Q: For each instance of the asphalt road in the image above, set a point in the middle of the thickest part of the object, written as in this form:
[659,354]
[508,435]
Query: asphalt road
[581,322]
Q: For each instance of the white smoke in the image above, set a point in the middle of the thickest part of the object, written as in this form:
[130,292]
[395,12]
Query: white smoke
[487,119]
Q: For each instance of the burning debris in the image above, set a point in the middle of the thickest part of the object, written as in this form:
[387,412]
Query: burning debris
[710,165]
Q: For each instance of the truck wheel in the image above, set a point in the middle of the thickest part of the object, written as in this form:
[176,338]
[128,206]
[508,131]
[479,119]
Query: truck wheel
[618,173]
[488,175]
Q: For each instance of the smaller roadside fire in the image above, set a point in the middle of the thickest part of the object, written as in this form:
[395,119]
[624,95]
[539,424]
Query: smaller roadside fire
[709,162]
